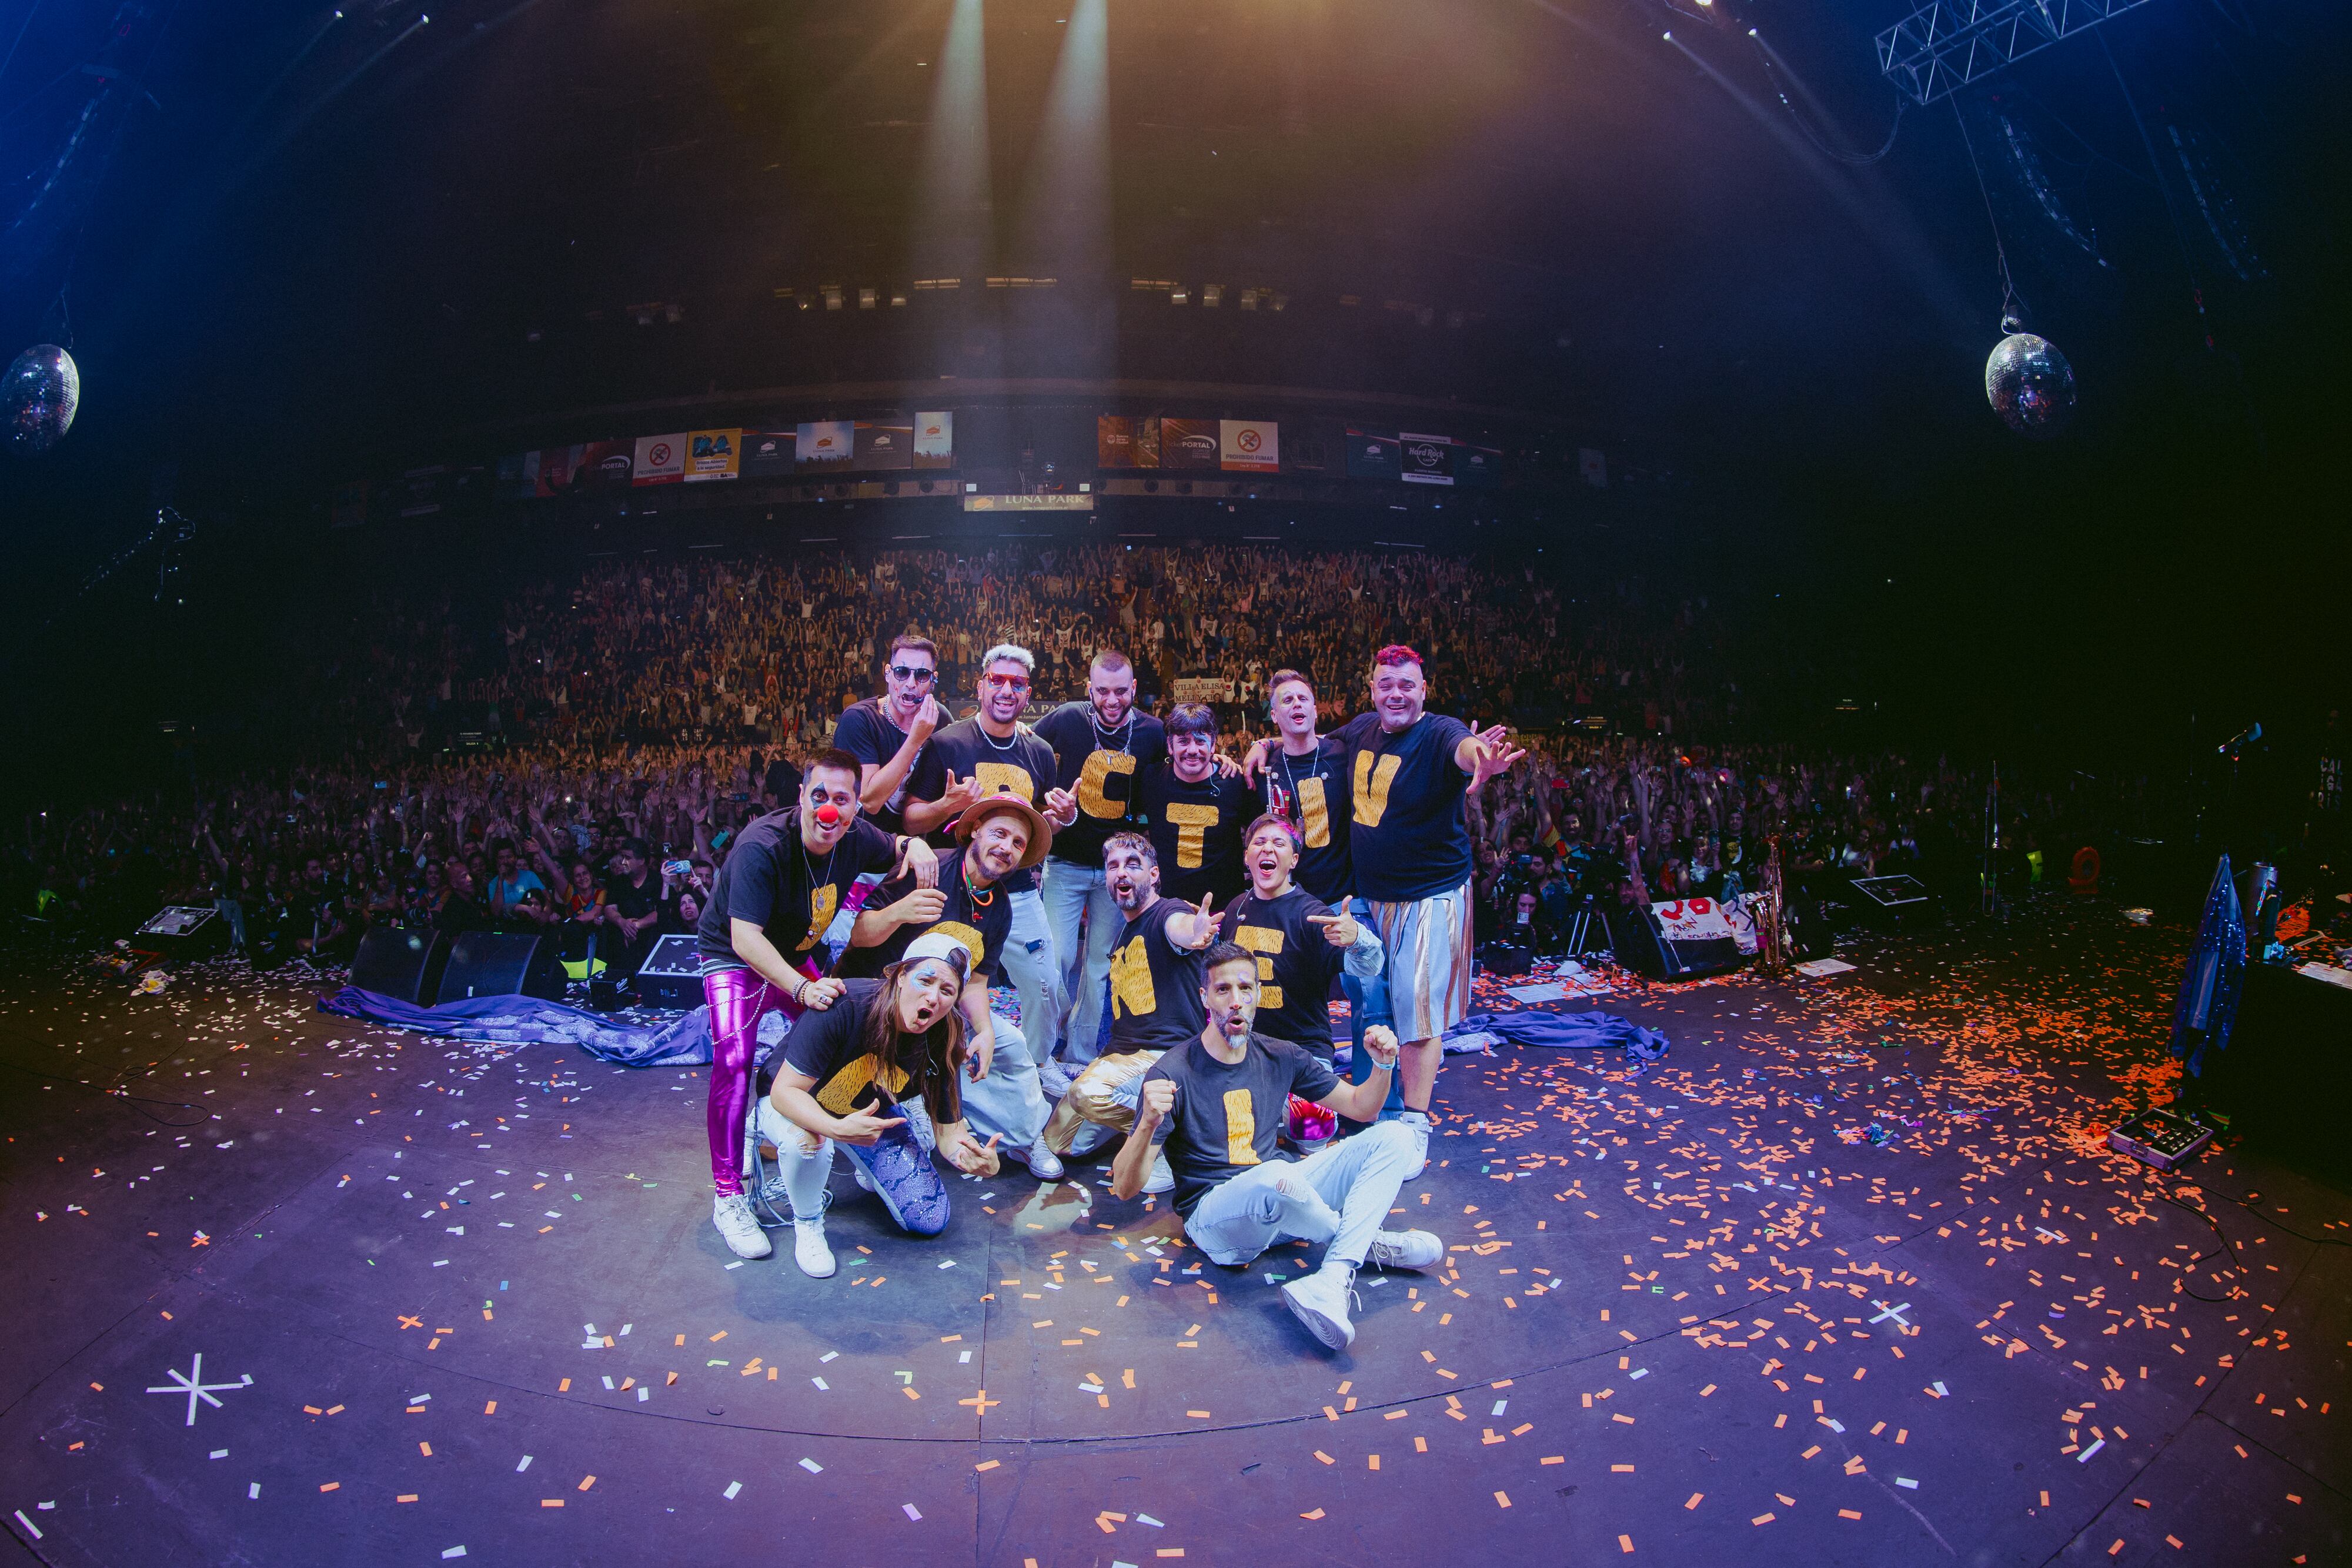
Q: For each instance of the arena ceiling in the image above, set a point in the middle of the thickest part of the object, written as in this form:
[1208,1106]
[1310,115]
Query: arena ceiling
[313,236]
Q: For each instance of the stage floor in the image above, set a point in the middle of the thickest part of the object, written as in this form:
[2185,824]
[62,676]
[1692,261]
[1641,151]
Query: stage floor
[1849,1278]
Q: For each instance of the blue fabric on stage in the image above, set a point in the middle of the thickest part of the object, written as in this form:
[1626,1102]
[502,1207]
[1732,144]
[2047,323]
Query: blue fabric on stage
[1574,1031]
[527,1021]
[2208,1007]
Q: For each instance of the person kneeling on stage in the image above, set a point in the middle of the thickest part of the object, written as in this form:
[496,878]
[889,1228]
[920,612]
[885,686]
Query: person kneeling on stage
[879,1074]
[1001,834]
[1155,999]
[1211,1106]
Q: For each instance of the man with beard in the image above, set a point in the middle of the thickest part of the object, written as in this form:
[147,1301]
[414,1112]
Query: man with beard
[1155,995]
[991,753]
[782,882]
[1409,851]
[1194,811]
[886,733]
[1300,942]
[1210,1108]
[1099,746]
[1001,835]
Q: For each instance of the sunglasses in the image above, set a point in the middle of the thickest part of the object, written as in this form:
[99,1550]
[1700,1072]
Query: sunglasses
[1009,683]
[906,673]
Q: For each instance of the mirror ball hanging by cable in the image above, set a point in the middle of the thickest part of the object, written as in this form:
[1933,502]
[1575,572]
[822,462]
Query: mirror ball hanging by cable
[2030,386]
[38,397]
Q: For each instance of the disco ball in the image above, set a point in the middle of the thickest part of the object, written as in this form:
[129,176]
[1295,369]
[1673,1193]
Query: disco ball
[2030,386]
[37,399]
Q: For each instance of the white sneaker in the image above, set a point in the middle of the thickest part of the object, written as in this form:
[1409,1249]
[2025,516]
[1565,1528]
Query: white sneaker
[1052,1078]
[1162,1178]
[865,1182]
[1043,1163]
[1321,1302]
[1405,1250]
[809,1249]
[732,1215]
[1417,1124]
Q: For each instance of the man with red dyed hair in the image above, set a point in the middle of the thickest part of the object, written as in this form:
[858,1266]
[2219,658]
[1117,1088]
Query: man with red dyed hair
[1409,850]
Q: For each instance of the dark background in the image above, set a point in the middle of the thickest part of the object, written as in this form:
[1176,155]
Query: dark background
[297,249]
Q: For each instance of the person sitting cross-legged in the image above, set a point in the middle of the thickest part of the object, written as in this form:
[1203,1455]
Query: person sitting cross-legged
[1211,1106]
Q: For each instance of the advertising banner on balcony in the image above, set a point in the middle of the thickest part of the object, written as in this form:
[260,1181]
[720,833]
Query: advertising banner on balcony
[1480,467]
[1124,442]
[828,446]
[605,465]
[518,475]
[935,440]
[769,454]
[1249,446]
[556,466]
[1426,459]
[660,459]
[1371,456]
[712,455]
[884,445]
[1189,444]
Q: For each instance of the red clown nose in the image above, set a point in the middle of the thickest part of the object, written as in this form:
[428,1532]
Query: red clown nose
[828,814]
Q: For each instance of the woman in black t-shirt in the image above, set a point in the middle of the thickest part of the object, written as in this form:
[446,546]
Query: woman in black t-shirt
[863,1073]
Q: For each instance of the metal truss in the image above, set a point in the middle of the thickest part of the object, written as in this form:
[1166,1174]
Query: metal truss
[1943,46]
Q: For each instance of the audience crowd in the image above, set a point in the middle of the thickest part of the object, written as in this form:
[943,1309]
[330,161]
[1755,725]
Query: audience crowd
[576,763]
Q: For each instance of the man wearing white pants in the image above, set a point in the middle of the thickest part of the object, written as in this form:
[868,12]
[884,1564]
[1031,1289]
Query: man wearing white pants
[1213,1106]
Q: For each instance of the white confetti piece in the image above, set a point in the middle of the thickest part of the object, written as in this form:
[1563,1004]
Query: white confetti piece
[254,1490]
[220,1453]
[1941,1389]
[822,1384]
[441,1263]
[30,1528]
[828,1355]
[1147,1518]
[524,1466]
[453,1552]
[812,1467]
[737,1264]
[733,1488]
[963,1358]
[947,1263]
[1906,1483]
[644,1392]
[909,1510]
[2084,1456]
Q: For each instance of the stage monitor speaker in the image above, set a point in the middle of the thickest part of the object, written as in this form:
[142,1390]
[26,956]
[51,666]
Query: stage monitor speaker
[185,931]
[1510,960]
[502,964]
[671,976]
[403,963]
[1678,941]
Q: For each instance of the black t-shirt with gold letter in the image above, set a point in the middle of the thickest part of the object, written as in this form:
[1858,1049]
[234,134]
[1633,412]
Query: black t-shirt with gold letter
[1227,1116]
[1408,839]
[1294,965]
[1196,829]
[1098,767]
[1155,987]
[979,918]
[770,879]
[1022,765]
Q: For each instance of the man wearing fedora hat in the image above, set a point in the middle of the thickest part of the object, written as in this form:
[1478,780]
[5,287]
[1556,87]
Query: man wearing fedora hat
[1001,835]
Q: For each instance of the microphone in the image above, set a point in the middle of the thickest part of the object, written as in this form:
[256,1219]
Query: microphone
[2252,732]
